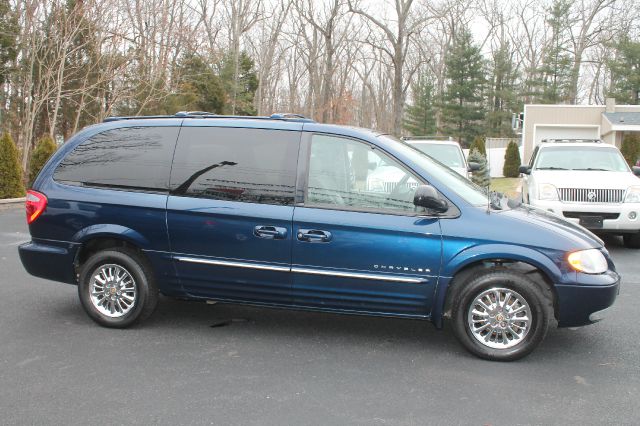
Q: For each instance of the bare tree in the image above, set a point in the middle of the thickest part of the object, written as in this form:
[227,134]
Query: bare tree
[395,41]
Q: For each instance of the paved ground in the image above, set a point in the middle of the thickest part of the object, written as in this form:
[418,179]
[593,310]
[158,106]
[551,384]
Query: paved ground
[293,368]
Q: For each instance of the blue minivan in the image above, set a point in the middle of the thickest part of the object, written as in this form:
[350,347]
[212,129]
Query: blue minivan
[281,211]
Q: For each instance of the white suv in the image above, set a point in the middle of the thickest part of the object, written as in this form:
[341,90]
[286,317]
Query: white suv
[448,153]
[587,182]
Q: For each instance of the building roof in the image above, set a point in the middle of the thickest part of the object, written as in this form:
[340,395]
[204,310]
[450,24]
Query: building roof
[623,118]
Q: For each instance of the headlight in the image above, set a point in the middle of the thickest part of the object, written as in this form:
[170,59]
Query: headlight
[546,191]
[590,261]
[633,195]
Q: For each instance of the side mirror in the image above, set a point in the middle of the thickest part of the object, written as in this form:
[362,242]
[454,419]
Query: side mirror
[473,166]
[525,170]
[426,196]
[636,170]
[373,165]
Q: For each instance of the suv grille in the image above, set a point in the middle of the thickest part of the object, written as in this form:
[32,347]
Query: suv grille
[579,195]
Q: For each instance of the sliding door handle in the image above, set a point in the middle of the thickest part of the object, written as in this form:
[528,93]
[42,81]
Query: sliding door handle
[270,232]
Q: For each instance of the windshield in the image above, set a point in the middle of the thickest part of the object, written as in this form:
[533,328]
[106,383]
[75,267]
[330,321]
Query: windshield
[581,158]
[466,189]
[449,155]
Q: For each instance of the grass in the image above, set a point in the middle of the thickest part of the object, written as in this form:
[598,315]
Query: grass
[508,186]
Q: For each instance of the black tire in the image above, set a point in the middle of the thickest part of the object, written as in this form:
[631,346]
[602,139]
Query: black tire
[537,296]
[145,298]
[631,240]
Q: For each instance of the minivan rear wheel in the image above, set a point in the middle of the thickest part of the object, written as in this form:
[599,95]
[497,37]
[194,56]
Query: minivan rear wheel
[116,288]
[501,315]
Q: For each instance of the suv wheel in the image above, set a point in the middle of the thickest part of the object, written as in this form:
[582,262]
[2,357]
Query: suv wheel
[632,240]
[501,315]
[116,288]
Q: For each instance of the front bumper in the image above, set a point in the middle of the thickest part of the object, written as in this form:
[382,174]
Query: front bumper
[584,304]
[52,260]
[622,223]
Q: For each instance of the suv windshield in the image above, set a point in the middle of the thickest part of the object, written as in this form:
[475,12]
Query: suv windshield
[449,155]
[466,189]
[580,158]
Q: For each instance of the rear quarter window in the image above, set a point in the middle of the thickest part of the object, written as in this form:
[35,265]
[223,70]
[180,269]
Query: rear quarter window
[135,158]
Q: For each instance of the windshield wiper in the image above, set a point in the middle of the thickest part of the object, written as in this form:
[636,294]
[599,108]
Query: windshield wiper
[550,168]
[594,168]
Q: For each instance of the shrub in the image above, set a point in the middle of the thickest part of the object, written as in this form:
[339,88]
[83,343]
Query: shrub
[479,144]
[45,148]
[511,161]
[481,176]
[631,148]
[10,171]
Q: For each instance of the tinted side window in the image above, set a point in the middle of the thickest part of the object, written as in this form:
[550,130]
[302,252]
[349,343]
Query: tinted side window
[235,164]
[133,158]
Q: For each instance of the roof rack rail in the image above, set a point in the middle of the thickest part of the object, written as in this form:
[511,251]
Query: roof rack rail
[431,138]
[567,140]
[205,114]
[135,117]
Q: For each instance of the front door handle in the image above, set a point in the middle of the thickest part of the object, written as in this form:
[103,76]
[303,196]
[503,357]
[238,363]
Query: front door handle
[314,235]
[270,232]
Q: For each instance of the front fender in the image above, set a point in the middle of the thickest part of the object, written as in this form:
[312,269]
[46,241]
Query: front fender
[548,263]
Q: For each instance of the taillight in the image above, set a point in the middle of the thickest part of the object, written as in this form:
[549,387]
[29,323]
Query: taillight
[36,203]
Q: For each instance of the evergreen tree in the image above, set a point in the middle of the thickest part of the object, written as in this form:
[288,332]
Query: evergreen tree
[511,161]
[480,177]
[625,72]
[82,71]
[463,109]
[479,144]
[631,148]
[200,88]
[8,33]
[553,78]
[44,149]
[420,117]
[10,171]
[244,88]
[503,96]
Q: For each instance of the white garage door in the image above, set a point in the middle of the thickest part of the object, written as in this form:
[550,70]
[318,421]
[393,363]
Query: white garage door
[565,132]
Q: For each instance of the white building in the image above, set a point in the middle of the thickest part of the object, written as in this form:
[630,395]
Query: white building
[607,122]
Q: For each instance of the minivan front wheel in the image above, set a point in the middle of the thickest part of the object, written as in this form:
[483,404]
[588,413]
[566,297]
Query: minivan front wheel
[116,288]
[501,315]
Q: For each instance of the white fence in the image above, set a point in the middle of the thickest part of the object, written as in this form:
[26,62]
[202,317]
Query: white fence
[496,148]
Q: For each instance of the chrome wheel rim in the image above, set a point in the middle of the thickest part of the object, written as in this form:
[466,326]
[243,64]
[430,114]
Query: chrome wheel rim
[113,290]
[499,318]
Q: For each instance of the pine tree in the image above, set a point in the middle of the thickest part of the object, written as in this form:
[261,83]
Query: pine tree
[200,88]
[480,177]
[479,144]
[44,149]
[625,72]
[10,172]
[463,108]
[83,64]
[8,33]
[503,96]
[244,89]
[511,161]
[420,117]
[554,76]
